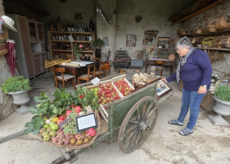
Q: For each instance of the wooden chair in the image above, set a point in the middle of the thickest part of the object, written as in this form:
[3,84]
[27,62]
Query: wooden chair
[64,78]
[102,71]
[89,76]
[159,62]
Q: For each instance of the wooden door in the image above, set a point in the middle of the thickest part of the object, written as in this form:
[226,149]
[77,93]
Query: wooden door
[37,64]
[43,59]
[24,30]
[40,28]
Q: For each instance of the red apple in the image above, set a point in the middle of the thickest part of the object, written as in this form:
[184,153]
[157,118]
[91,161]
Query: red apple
[109,95]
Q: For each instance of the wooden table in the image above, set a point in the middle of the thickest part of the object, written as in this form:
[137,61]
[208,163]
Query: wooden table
[172,64]
[73,70]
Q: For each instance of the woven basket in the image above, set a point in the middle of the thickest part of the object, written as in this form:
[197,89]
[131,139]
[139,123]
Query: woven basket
[211,25]
[208,42]
[74,146]
[222,24]
[182,30]
[198,31]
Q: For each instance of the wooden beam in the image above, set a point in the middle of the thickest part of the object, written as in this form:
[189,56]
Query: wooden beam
[103,5]
[32,6]
[201,10]
[191,9]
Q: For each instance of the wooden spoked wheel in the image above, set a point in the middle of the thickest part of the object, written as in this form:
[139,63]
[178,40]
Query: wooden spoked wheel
[138,124]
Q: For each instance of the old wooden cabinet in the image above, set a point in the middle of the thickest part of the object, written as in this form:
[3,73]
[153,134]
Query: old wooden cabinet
[30,45]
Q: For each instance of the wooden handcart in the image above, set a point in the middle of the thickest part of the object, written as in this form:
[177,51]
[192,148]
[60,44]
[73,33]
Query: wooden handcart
[133,116]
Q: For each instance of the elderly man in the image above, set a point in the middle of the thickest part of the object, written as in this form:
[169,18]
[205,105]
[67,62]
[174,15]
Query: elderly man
[195,70]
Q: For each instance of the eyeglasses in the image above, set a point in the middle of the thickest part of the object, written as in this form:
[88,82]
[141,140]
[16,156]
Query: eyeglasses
[178,50]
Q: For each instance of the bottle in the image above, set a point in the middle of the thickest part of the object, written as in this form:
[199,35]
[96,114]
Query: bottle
[59,24]
[72,27]
[86,28]
[83,28]
[69,28]
[75,28]
[91,25]
[80,28]
[55,28]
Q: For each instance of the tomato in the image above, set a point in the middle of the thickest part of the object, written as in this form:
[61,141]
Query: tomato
[77,109]
[62,117]
[68,112]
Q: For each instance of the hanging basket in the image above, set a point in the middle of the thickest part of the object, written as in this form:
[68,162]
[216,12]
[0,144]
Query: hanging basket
[223,23]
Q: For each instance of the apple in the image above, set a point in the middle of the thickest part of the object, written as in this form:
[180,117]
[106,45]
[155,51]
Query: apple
[109,95]
[104,101]
[99,100]
[106,95]
[99,92]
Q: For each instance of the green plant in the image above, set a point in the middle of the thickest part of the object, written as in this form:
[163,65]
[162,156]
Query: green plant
[223,93]
[76,52]
[98,42]
[17,83]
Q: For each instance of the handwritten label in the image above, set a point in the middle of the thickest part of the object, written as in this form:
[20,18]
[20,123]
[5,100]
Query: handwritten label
[95,81]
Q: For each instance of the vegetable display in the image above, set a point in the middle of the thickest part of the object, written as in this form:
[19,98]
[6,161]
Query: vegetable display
[48,108]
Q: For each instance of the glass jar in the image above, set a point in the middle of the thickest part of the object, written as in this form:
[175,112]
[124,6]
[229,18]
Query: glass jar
[153,71]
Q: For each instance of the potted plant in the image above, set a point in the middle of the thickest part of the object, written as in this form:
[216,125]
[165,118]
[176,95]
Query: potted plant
[18,87]
[98,43]
[222,107]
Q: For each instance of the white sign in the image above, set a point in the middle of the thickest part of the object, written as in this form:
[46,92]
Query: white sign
[86,121]
[95,81]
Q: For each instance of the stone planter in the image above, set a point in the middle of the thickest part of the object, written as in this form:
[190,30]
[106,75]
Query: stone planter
[221,108]
[21,98]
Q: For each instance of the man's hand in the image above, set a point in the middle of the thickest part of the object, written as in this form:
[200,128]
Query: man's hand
[202,90]
[165,80]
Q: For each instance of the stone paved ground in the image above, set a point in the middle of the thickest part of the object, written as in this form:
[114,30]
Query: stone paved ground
[207,145]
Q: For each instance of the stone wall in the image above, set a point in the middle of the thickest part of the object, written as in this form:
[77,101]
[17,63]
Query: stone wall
[6,101]
[202,20]
[155,16]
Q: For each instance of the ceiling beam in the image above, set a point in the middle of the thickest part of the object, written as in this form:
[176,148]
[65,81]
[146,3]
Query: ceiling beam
[103,5]
[197,12]
[28,4]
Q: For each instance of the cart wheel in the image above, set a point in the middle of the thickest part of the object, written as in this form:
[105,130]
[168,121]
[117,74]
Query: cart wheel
[138,124]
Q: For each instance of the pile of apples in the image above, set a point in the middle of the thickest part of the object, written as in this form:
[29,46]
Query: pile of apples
[107,93]
[123,87]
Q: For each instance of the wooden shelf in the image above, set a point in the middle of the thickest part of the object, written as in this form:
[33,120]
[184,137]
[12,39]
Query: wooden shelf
[218,49]
[209,33]
[81,41]
[86,51]
[59,40]
[63,50]
[76,41]
[65,32]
